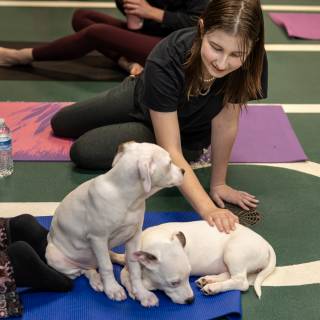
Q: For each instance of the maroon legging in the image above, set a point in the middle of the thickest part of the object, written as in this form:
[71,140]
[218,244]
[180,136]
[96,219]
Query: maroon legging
[98,31]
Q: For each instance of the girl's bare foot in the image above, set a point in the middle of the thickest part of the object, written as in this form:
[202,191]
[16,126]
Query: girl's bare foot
[11,57]
[135,68]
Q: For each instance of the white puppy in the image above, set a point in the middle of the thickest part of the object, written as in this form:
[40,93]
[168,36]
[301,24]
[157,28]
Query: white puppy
[108,211]
[171,252]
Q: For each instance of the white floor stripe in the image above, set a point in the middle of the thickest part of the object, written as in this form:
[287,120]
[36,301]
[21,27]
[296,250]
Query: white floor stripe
[294,275]
[11,209]
[307,167]
[57,4]
[294,108]
[276,7]
[292,47]
[301,108]
[83,4]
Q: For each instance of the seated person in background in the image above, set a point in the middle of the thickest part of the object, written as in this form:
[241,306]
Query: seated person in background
[111,37]
[23,243]
[189,95]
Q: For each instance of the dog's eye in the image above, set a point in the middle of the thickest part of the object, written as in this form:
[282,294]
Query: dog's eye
[175,283]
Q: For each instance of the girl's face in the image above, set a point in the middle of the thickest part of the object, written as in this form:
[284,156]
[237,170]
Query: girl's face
[221,54]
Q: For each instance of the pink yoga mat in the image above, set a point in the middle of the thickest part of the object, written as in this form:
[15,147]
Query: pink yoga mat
[265,134]
[299,25]
[31,131]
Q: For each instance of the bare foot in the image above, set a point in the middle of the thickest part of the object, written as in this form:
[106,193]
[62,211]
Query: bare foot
[11,57]
[135,69]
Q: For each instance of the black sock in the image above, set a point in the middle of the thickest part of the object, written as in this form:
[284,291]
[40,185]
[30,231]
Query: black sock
[26,228]
[31,271]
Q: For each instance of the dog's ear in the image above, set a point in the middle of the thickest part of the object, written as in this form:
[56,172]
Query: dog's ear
[181,237]
[147,259]
[116,158]
[146,169]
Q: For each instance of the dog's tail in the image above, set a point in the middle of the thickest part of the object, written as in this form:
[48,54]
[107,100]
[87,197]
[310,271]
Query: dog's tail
[263,274]
[118,258]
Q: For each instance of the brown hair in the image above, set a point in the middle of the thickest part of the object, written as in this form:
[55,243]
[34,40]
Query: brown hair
[241,18]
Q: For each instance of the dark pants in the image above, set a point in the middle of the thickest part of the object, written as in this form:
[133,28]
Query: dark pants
[100,124]
[101,32]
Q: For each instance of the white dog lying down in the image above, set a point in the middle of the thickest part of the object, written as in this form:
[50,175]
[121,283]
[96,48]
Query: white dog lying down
[107,211]
[171,252]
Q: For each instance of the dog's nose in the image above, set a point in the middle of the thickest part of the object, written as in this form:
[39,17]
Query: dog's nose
[182,171]
[190,300]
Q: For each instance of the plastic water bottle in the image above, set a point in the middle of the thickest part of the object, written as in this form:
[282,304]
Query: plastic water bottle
[6,162]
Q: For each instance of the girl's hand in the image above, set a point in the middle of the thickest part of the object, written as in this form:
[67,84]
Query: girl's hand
[223,219]
[243,199]
[140,8]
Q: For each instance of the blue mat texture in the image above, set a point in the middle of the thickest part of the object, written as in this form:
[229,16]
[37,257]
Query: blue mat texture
[83,303]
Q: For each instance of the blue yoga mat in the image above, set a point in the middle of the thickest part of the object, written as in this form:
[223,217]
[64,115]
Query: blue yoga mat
[83,303]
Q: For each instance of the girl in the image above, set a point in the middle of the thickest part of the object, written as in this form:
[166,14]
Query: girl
[111,37]
[189,95]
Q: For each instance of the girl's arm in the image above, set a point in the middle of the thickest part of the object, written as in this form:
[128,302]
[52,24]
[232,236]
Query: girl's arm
[166,128]
[224,131]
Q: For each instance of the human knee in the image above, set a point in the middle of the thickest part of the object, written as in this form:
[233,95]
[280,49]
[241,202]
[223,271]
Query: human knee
[59,125]
[95,31]
[86,156]
[21,222]
[77,19]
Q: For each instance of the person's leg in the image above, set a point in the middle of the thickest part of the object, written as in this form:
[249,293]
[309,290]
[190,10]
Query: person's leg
[26,228]
[96,148]
[30,271]
[110,107]
[111,41]
[84,18]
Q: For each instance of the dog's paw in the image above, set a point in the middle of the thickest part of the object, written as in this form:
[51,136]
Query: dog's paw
[96,282]
[115,292]
[210,289]
[147,298]
[203,281]
[125,281]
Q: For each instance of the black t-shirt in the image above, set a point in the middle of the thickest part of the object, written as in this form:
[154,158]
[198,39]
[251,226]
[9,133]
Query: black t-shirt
[177,14]
[161,87]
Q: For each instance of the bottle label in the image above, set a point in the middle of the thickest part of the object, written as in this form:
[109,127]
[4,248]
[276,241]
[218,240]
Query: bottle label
[5,145]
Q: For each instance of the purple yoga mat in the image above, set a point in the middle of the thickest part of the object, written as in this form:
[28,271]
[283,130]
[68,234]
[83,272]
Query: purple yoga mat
[265,135]
[299,25]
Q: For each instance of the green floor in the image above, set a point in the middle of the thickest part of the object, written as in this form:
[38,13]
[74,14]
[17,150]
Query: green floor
[289,200]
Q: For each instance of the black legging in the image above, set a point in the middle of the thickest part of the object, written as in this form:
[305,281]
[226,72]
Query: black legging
[101,123]
[27,242]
